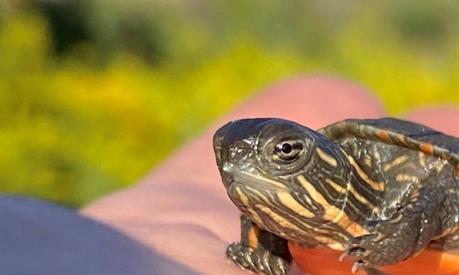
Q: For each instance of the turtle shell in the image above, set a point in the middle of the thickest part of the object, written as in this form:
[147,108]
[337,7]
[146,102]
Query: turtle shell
[398,132]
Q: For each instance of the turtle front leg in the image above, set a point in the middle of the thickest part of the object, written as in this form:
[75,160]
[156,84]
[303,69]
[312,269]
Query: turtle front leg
[259,250]
[402,236]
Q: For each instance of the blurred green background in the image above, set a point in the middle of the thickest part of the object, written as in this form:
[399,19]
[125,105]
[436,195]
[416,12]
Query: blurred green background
[94,93]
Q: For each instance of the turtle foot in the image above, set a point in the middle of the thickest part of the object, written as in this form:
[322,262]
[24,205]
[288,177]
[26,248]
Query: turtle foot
[359,249]
[257,260]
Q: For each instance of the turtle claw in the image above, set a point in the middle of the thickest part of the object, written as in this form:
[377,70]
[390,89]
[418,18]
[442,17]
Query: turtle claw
[257,260]
[353,251]
[361,256]
[356,250]
[343,256]
[357,265]
[358,247]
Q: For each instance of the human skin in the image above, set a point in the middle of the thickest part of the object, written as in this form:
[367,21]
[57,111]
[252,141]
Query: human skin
[181,209]
[179,215]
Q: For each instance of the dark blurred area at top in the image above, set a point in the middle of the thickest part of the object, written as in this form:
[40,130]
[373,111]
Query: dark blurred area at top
[146,28]
[75,22]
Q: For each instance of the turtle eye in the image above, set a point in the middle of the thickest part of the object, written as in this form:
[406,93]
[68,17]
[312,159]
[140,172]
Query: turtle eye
[288,150]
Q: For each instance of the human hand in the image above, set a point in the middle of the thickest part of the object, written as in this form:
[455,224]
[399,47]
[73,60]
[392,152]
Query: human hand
[181,209]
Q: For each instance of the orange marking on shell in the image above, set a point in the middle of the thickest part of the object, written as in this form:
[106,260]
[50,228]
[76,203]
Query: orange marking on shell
[324,261]
[457,167]
[427,148]
[383,135]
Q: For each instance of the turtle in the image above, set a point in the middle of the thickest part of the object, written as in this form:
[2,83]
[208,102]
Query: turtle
[378,190]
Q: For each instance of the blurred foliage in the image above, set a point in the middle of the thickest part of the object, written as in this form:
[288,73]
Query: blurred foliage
[95,93]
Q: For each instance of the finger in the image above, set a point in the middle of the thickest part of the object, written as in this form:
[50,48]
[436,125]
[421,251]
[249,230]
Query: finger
[442,118]
[313,101]
[306,100]
[186,189]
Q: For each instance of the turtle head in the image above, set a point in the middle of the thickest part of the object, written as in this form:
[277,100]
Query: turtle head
[262,151]
[278,172]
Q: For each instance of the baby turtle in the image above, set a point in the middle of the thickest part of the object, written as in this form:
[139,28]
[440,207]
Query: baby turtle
[380,190]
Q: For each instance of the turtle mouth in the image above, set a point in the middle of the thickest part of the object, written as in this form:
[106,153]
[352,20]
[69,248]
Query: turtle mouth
[256,186]
[259,182]
[244,178]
